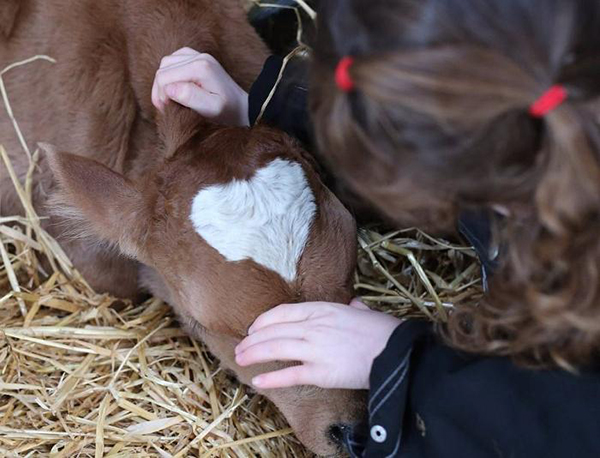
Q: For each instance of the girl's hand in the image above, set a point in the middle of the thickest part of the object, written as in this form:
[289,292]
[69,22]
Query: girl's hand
[198,81]
[336,344]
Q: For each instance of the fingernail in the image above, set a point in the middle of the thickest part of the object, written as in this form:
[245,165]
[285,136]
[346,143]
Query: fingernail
[257,381]
[237,349]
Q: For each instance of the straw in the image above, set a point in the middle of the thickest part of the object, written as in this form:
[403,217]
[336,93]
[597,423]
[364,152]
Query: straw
[88,375]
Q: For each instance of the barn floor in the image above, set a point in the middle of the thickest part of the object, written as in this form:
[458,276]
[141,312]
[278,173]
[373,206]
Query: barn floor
[88,375]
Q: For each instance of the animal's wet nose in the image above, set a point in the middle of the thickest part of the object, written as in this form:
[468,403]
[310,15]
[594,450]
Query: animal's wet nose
[338,431]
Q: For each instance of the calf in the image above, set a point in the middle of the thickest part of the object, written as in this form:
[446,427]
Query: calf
[222,223]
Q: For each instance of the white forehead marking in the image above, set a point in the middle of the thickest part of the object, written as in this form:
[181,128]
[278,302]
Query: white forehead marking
[266,219]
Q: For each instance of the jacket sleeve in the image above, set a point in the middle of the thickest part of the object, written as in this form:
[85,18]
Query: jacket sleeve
[428,400]
[379,435]
[283,92]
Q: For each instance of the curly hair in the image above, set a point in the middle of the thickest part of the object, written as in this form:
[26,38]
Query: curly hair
[439,123]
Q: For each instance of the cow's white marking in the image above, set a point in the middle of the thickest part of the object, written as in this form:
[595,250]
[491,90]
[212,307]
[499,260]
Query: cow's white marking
[266,219]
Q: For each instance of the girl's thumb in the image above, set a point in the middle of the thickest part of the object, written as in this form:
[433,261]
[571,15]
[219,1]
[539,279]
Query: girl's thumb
[357,304]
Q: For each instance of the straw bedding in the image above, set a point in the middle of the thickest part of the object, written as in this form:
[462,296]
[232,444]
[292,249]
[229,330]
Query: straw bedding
[88,375]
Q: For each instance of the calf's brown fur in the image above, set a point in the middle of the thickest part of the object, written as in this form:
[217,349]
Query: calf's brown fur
[131,174]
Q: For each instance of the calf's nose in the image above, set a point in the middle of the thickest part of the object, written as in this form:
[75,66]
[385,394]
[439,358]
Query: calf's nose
[339,431]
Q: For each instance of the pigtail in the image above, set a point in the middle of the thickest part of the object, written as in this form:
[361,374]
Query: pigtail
[568,195]
[544,302]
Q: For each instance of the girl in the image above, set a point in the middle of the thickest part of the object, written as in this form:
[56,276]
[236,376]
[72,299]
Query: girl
[430,108]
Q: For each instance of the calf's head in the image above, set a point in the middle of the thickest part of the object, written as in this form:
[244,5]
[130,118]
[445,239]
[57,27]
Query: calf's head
[230,224]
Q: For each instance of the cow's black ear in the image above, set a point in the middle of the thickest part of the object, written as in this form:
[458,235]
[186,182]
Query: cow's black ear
[9,10]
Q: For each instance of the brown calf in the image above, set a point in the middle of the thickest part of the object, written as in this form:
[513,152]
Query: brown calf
[222,223]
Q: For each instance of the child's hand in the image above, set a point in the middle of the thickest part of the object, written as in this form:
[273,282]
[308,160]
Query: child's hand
[198,81]
[335,343]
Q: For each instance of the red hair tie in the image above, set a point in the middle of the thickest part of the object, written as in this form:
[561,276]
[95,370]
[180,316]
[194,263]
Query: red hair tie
[342,74]
[549,101]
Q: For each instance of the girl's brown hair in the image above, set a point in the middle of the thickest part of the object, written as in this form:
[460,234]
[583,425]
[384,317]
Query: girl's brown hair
[439,123]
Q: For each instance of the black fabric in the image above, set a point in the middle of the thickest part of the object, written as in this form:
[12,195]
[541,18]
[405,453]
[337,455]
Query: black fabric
[476,228]
[449,404]
[277,24]
[288,107]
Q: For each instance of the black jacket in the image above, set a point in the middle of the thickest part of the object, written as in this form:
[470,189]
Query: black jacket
[427,400]
[430,401]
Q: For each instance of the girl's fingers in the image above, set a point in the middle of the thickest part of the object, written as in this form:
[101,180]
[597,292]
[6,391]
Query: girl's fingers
[357,304]
[197,71]
[291,376]
[285,313]
[185,50]
[181,57]
[155,100]
[275,350]
[175,60]
[170,61]
[159,96]
[193,96]
[276,331]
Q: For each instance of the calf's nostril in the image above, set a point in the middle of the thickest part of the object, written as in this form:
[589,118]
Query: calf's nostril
[338,431]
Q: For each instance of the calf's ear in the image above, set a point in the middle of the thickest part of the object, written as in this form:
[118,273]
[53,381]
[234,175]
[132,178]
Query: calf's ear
[102,201]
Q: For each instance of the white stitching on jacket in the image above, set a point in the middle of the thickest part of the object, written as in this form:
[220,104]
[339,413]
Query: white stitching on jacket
[404,364]
[384,384]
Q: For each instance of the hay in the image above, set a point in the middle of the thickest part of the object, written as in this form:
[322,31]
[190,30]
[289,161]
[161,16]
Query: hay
[88,375]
